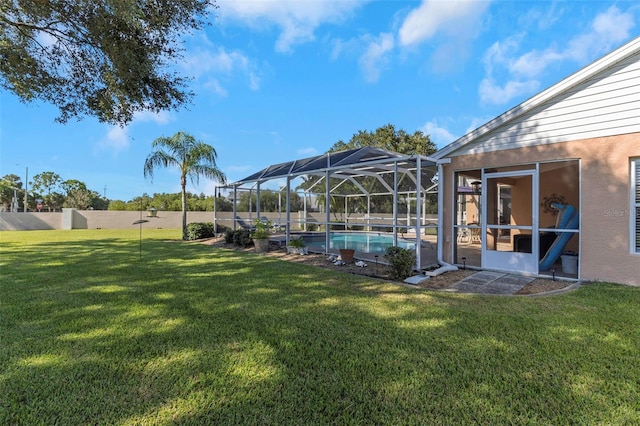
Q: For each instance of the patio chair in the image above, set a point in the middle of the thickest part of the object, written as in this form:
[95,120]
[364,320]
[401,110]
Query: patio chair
[244,224]
[475,234]
[464,235]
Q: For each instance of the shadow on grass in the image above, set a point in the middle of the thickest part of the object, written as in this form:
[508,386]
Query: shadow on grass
[193,334]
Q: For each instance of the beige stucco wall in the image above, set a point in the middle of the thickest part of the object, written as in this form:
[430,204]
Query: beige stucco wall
[94,219]
[123,219]
[604,205]
[29,221]
[551,178]
[106,219]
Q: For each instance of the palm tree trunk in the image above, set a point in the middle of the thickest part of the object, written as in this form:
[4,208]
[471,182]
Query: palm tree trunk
[184,208]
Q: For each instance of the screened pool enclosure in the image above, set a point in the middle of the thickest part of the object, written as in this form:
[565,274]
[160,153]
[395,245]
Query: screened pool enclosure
[365,190]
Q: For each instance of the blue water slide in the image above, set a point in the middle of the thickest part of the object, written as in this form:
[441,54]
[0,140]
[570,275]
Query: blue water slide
[568,219]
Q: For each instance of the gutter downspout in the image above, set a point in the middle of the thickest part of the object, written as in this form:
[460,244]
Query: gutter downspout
[445,267]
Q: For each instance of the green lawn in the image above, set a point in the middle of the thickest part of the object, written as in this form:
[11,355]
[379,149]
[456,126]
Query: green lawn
[90,334]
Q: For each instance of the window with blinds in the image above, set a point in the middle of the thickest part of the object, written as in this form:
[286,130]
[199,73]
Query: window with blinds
[635,205]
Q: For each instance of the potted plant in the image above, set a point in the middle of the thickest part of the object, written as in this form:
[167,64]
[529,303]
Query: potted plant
[297,246]
[261,235]
[347,255]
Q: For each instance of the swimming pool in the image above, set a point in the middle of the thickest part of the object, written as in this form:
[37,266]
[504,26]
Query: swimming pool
[371,242]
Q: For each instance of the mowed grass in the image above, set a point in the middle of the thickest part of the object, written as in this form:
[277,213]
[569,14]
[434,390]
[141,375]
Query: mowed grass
[190,334]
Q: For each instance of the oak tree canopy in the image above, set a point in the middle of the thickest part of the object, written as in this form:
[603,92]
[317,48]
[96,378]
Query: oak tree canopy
[108,59]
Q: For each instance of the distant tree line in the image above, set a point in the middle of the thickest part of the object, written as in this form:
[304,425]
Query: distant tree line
[57,193]
[49,190]
[270,202]
[164,202]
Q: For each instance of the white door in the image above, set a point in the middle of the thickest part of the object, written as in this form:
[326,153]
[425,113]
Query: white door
[509,212]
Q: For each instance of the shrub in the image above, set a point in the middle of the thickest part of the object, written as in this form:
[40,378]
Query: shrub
[242,238]
[222,229]
[297,242]
[400,262]
[239,237]
[199,230]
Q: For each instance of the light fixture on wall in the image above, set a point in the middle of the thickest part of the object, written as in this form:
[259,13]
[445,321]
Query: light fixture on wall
[476,186]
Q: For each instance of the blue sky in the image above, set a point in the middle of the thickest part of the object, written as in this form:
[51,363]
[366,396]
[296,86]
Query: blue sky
[278,80]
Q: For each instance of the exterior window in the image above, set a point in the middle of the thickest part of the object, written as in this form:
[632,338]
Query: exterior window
[635,204]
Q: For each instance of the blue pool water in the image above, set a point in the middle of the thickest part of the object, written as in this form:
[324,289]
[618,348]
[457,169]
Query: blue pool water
[362,242]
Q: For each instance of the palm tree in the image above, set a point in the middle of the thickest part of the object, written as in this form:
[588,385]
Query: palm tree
[193,158]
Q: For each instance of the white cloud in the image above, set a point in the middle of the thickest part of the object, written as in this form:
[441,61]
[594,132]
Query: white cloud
[212,64]
[372,52]
[214,86]
[541,18]
[532,64]
[254,81]
[296,20]
[116,140]
[437,133]
[422,23]
[493,93]
[453,17]
[118,137]
[375,56]
[348,47]
[456,22]
[162,117]
[523,72]
[218,60]
[498,58]
[608,30]
[500,53]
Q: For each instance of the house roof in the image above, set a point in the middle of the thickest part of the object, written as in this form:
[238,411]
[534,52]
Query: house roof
[586,73]
[349,164]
